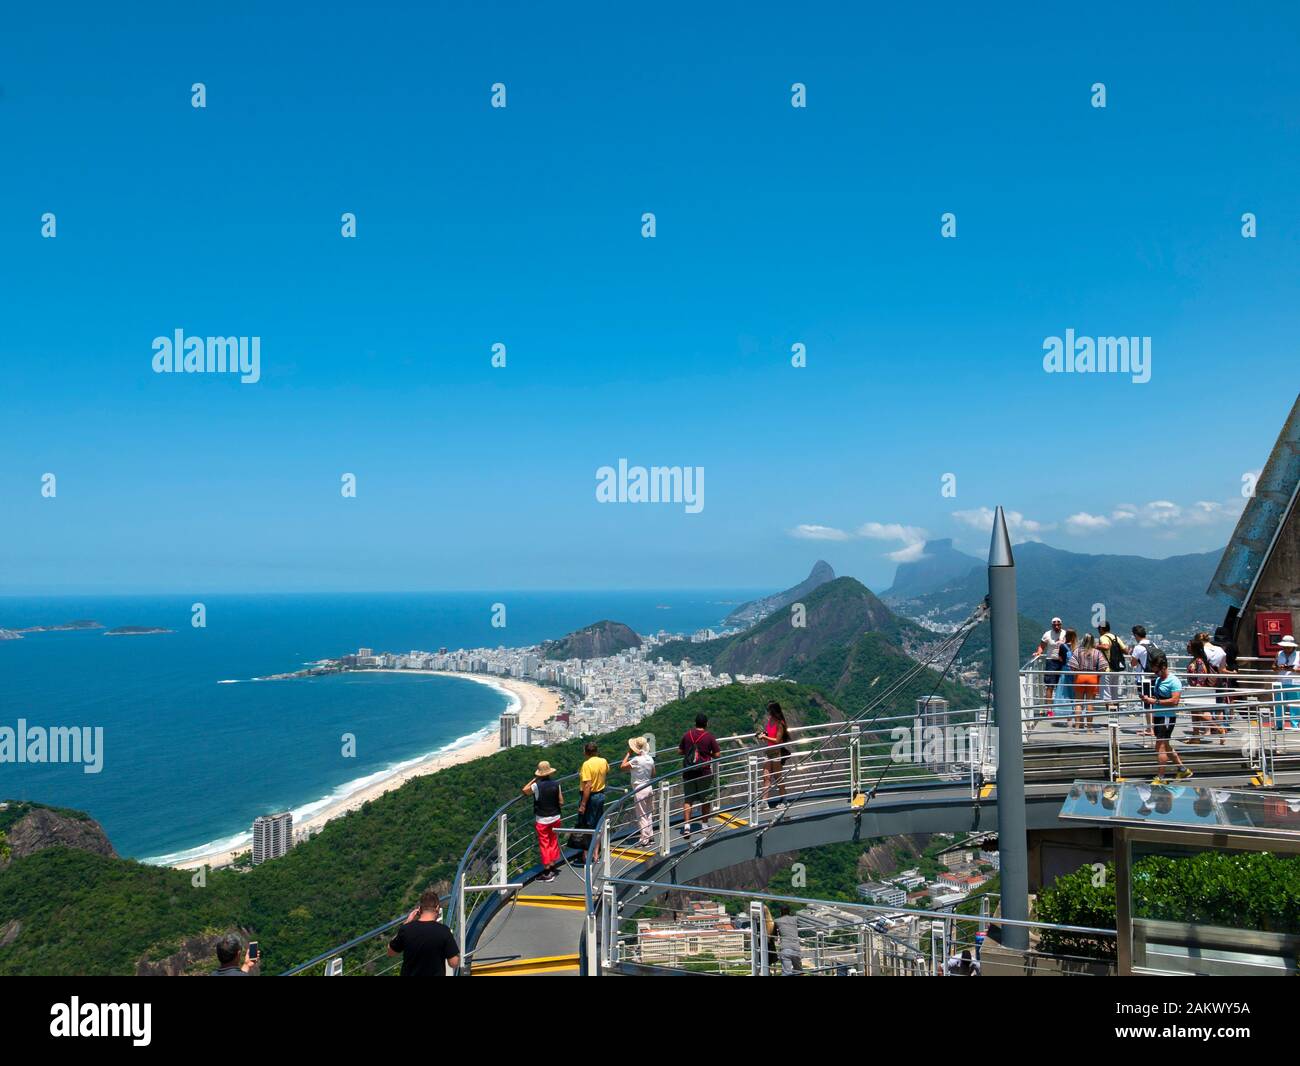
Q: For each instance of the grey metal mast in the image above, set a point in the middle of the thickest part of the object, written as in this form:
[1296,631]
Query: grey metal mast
[1005,633]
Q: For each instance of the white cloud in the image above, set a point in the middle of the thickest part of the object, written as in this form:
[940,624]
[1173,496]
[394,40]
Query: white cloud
[1169,516]
[1083,522]
[913,538]
[807,532]
[1020,527]
[893,531]
[910,554]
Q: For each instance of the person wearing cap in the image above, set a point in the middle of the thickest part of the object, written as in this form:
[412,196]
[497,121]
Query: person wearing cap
[640,763]
[548,802]
[1287,667]
[1049,651]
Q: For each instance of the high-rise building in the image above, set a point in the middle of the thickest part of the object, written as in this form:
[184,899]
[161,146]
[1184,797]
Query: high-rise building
[509,728]
[272,836]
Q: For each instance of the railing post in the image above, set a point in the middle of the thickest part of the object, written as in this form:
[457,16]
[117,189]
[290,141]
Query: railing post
[665,817]
[462,935]
[503,852]
[609,907]
[855,765]
[757,940]
[593,955]
[752,778]
[1112,748]
[605,865]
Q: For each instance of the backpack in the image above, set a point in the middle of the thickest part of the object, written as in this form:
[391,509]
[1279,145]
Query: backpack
[1115,653]
[1152,653]
[692,756]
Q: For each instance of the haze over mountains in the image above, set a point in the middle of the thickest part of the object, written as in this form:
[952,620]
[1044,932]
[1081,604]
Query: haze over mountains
[1167,594]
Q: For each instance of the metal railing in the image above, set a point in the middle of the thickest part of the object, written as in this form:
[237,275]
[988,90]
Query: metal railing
[752,786]
[363,956]
[723,932]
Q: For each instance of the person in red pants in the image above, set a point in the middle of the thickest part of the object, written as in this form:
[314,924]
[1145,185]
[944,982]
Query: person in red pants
[548,802]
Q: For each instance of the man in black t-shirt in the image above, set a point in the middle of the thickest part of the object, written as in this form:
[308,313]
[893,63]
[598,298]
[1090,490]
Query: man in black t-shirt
[425,944]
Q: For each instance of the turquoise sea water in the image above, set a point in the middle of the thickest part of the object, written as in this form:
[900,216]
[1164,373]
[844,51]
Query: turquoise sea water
[189,761]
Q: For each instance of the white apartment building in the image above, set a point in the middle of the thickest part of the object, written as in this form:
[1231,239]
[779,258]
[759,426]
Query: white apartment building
[272,836]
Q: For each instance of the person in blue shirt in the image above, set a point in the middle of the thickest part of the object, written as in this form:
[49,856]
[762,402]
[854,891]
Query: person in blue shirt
[1165,695]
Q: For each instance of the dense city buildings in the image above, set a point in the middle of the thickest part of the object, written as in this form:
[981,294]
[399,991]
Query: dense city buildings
[599,695]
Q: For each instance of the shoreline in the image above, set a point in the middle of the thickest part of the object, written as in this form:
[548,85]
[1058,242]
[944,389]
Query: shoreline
[534,703]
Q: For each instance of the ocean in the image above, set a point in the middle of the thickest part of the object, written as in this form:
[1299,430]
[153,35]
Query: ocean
[193,749]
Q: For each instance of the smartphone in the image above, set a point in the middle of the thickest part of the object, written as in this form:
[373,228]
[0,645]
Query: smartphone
[252,950]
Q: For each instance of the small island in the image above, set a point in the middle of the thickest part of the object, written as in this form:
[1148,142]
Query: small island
[80,623]
[134,631]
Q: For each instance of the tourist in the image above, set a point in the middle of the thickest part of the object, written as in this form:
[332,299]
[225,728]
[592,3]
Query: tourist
[1065,687]
[1164,696]
[1228,682]
[698,749]
[229,950]
[1287,667]
[425,944]
[1116,652]
[1200,674]
[640,763]
[776,734]
[1047,651]
[1138,657]
[787,930]
[548,803]
[963,965]
[1087,664]
[592,778]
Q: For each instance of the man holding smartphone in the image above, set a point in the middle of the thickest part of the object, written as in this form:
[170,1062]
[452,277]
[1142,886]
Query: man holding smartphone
[425,944]
[229,949]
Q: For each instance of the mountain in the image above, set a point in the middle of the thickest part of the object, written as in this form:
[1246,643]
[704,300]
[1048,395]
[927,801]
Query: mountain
[1166,595]
[756,610]
[940,564]
[835,613]
[26,828]
[854,675]
[592,642]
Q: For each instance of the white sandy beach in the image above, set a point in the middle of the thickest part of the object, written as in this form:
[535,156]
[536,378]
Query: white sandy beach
[535,705]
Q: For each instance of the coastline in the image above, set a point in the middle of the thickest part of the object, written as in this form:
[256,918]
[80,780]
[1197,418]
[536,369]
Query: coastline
[534,703]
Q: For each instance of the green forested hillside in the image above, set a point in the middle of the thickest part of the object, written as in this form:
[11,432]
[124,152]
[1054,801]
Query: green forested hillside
[855,675]
[835,614]
[79,913]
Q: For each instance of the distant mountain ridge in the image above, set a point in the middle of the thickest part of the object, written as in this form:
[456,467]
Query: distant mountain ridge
[1165,595]
[756,610]
[592,642]
[851,646]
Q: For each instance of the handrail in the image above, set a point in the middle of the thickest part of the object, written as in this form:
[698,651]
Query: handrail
[853,747]
[325,956]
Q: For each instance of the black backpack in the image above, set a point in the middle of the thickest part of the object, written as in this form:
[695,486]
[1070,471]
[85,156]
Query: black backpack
[692,756]
[1115,654]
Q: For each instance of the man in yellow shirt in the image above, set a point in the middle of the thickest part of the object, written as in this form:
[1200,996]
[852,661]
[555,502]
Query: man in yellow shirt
[594,771]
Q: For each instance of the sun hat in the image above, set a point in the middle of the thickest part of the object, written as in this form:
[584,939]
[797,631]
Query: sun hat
[544,769]
[637,745]
[1286,642]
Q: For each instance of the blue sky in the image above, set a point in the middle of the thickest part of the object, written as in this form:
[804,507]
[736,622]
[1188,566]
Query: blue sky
[522,225]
